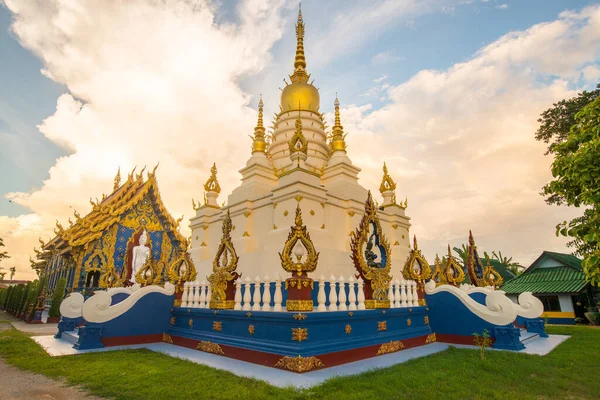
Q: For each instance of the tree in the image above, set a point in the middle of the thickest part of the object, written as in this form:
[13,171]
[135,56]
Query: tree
[3,255]
[463,253]
[576,172]
[556,122]
[513,267]
[57,298]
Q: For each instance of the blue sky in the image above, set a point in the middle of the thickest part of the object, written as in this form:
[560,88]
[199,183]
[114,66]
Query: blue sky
[391,62]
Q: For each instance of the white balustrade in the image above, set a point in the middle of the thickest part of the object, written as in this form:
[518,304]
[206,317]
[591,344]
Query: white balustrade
[403,295]
[196,301]
[342,295]
[352,293]
[266,298]
[256,297]
[185,294]
[415,294]
[332,294]
[391,297]
[208,296]
[361,294]
[202,302]
[321,295]
[409,295]
[247,296]
[398,302]
[238,295]
[278,298]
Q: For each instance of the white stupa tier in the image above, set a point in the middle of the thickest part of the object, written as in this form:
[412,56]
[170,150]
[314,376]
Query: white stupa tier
[299,166]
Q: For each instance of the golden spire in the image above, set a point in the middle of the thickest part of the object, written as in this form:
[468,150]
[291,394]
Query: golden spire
[299,74]
[387,183]
[212,184]
[117,180]
[298,142]
[259,143]
[337,140]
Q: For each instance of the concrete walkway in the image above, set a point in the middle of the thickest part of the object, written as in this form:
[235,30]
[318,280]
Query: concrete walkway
[16,384]
[30,329]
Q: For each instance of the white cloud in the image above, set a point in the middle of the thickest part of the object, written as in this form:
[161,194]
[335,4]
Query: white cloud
[385,57]
[502,6]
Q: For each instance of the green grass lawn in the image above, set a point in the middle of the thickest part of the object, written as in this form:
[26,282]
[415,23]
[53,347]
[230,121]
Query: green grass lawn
[569,372]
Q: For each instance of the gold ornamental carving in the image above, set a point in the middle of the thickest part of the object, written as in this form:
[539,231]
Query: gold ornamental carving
[416,266]
[426,320]
[300,234]
[212,184]
[251,329]
[376,273]
[182,269]
[438,272]
[217,326]
[210,347]
[492,276]
[298,142]
[390,347]
[299,317]
[299,364]
[167,338]
[453,272]
[224,270]
[348,329]
[382,326]
[299,334]
[387,183]
[430,338]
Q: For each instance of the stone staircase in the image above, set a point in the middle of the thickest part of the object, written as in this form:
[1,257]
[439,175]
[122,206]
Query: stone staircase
[71,336]
[528,337]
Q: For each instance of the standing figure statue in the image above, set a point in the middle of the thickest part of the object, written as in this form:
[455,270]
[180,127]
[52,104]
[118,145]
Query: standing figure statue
[140,255]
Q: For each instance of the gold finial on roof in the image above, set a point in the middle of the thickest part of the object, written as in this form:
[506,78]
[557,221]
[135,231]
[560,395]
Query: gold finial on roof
[212,184]
[298,142]
[387,183]
[258,142]
[117,179]
[337,140]
[415,247]
[300,74]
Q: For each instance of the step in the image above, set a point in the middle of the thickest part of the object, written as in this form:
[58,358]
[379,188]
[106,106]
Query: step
[70,336]
[529,337]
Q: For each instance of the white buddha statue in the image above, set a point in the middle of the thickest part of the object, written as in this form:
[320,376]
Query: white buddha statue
[140,255]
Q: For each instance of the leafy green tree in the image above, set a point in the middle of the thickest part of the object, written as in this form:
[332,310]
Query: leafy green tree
[511,265]
[41,285]
[576,172]
[556,122]
[21,306]
[9,293]
[3,255]
[463,253]
[31,297]
[57,298]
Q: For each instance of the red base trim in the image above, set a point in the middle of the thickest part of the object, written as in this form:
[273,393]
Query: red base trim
[53,320]
[270,359]
[124,340]
[457,339]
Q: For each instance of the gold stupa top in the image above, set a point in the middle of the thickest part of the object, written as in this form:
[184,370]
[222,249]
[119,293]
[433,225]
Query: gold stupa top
[300,91]
[259,143]
[337,134]
[387,183]
[212,184]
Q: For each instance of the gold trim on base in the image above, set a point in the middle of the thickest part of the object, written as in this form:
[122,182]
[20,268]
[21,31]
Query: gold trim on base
[299,364]
[300,305]
[390,347]
[210,347]
[372,304]
[222,304]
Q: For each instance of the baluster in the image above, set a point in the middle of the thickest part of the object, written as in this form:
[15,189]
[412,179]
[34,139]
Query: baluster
[266,298]
[195,295]
[342,295]
[403,295]
[202,299]
[415,294]
[321,295]
[278,295]
[185,294]
[398,302]
[351,293]
[391,293]
[208,295]
[409,296]
[238,294]
[361,294]
[256,297]
[247,297]
[332,294]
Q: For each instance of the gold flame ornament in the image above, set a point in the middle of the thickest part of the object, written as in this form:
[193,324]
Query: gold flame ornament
[224,270]
[474,266]
[182,269]
[212,184]
[298,142]
[438,273]
[150,273]
[376,273]
[492,276]
[297,234]
[387,183]
[416,266]
[453,271]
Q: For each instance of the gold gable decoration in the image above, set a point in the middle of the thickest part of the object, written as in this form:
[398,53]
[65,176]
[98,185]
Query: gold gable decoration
[416,266]
[150,273]
[453,271]
[298,142]
[478,278]
[387,183]
[224,270]
[299,233]
[492,276]
[212,184]
[379,277]
[438,274]
[182,269]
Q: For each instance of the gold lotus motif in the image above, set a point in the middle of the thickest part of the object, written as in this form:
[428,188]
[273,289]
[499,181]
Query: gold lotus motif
[299,233]
[453,272]
[416,266]
[299,364]
[390,347]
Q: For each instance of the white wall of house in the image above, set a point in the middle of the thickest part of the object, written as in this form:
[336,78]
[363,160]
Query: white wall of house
[566,304]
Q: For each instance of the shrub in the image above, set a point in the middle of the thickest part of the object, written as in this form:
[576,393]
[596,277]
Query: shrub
[59,294]
[483,341]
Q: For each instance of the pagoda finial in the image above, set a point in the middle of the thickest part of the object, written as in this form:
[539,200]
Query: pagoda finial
[387,183]
[212,184]
[117,179]
[337,140]
[258,142]
[300,75]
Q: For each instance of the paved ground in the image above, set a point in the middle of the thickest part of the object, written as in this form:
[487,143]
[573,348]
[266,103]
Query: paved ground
[30,329]
[16,385]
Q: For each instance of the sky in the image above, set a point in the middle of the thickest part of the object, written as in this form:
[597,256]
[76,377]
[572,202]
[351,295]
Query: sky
[448,93]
